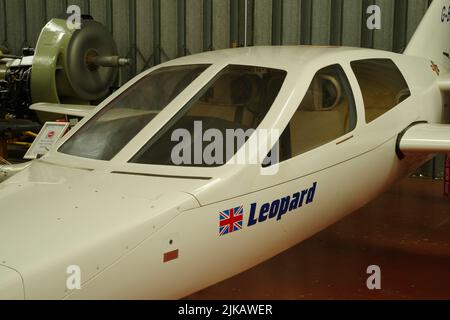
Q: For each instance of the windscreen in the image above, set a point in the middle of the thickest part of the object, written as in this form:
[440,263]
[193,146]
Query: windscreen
[232,105]
[119,122]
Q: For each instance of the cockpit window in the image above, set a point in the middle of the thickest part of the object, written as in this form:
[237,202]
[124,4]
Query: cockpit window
[327,112]
[236,100]
[119,122]
[382,84]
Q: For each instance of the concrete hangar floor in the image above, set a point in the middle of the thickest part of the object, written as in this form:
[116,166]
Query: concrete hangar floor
[406,232]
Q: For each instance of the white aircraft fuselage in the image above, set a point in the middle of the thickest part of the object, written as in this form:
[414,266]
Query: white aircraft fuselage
[141,231]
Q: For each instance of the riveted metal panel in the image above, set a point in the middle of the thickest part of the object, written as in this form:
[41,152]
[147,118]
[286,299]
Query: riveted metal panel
[306,12]
[277,22]
[207,25]
[337,7]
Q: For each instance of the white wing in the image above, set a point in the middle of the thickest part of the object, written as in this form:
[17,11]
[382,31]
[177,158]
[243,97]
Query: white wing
[426,138]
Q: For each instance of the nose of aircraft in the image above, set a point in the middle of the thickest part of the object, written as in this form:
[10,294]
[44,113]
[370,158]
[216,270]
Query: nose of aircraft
[11,286]
[52,217]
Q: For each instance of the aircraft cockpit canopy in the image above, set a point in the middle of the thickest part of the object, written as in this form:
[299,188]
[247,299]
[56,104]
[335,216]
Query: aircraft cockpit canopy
[238,97]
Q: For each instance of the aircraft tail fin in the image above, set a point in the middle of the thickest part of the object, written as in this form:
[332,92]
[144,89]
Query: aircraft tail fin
[432,38]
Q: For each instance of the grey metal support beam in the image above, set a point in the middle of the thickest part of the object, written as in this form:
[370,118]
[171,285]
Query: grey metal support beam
[277,22]
[221,24]
[44,13]
[4,25]
[16,31]
[132,38]
[250,22]
[157,31]
[36,19]
[400,25]
[306,23]
[109,15]
[181,28]
[87,7]
[245,26]
[241,23]
[144,34]
[234,23]
[207,25]
[366,34]
[337,14]
[25,21]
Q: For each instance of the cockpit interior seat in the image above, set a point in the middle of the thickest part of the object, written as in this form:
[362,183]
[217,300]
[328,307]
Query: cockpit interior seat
[319,120]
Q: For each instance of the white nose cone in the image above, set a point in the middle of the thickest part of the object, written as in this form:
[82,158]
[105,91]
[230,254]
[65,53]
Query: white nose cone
[11,286]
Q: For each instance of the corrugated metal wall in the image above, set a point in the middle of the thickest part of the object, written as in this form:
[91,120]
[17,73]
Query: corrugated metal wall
[152,31]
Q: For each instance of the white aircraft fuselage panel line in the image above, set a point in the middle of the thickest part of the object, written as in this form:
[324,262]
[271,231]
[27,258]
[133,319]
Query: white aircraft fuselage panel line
[145,230]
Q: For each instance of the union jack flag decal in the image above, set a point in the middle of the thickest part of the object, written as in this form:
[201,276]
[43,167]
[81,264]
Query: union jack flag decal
[231,220]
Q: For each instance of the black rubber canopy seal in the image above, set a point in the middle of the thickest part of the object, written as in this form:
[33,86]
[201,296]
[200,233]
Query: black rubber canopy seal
[399,152]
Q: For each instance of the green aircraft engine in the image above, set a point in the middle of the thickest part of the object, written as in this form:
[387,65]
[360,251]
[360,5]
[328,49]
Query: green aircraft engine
[72,66]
